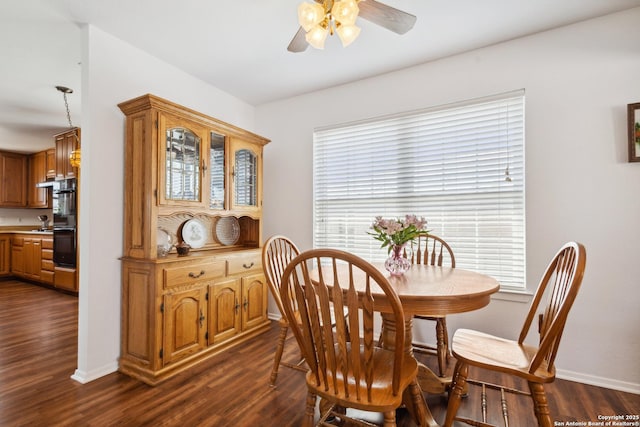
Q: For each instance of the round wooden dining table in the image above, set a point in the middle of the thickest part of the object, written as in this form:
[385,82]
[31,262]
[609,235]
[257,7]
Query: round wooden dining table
[430,291]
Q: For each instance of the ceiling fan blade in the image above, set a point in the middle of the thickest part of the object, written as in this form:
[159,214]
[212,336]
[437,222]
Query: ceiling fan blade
[298,43]
[386,16]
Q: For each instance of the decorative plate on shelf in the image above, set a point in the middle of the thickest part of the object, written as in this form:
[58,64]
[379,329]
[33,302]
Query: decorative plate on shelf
[194,233]
[228,230]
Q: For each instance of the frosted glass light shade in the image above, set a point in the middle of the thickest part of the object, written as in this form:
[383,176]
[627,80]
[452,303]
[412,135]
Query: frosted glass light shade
[345,11]
[310,15]
[347,34]
[317,36]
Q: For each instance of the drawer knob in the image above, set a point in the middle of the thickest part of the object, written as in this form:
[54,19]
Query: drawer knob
[248,266]
[196,275]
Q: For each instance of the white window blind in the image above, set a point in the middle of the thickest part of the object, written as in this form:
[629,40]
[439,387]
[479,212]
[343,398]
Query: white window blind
[460,166]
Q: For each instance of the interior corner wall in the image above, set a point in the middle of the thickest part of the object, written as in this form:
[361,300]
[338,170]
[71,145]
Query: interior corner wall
[579,185]
[113,72]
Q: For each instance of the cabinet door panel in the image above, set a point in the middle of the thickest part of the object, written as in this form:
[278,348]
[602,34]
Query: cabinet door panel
[38,197]
[181,148]
[17,260]
[254,300]
[5,255]
[217,165]
[224,314]
[13,180]
[246,166]
[185,323]
[66,143]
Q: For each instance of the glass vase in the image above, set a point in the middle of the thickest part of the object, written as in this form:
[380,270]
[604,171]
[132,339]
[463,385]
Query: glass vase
[397,264]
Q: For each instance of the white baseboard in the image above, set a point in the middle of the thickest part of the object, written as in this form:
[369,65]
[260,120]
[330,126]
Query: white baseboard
[598,381]
[84,377]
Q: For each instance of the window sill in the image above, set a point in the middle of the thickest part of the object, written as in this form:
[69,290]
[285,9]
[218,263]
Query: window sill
[514,295]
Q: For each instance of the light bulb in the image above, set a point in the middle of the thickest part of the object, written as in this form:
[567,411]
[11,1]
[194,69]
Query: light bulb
[310,15]
[347,34]
[317,36]
[345,11]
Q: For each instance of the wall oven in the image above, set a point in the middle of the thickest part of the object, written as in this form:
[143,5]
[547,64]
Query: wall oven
[64,223]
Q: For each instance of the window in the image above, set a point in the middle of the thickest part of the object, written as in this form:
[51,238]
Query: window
[460,166]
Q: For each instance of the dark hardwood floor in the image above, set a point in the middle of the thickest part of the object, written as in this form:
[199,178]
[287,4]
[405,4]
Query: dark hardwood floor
[38,337]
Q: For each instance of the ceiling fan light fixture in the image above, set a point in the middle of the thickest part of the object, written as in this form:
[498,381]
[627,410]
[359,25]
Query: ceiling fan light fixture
[310,15]
[317,36]
[345,11]
[347,34]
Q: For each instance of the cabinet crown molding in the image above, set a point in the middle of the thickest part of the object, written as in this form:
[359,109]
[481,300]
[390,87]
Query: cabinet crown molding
[148,101]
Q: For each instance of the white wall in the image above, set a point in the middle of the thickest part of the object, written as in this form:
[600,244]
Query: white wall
[113,72]
[579,186]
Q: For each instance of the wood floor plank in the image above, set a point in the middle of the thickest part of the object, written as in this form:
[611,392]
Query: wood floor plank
[38,331]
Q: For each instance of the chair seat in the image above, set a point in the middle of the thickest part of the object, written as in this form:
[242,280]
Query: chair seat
[488,351]
[382,397]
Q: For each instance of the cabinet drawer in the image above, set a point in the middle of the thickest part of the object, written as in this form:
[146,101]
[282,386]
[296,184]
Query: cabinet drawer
[47,244]
[47,276]
[47,253]
[245,262]
[193,273]
[17,241]
[47,264]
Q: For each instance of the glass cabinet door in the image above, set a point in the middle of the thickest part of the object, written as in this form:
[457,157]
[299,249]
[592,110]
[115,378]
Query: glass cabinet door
[216,160]
[246,162]
[182,165]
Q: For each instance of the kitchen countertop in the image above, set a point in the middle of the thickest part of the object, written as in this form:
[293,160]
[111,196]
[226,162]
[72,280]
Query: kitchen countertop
[29,231]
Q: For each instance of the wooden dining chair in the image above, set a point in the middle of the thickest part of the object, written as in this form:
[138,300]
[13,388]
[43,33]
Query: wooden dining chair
[347,369]
[534,363]
[429,249]
[277,252]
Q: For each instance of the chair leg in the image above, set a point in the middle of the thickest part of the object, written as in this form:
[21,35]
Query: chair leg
[309,410]
[443,344]
[540,406]
[279,349]
[457,391]
[390,419]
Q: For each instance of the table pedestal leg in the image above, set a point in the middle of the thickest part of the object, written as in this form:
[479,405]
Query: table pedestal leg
[417,406]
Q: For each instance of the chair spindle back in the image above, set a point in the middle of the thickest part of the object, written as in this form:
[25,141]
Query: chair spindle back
[429,249]
[277,252]
[323,283]
[562,278]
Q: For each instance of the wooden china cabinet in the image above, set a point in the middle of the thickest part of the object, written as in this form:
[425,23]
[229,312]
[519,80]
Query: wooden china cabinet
[189,178]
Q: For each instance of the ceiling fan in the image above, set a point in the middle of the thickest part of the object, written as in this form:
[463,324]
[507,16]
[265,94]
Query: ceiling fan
[321,18]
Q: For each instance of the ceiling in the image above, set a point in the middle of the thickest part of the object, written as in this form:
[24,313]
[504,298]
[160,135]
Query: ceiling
[238,46]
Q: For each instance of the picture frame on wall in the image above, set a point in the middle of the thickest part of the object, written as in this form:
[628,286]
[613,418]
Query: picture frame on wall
[633,118]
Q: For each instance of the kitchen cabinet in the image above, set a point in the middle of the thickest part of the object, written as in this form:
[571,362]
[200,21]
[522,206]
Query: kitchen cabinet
[17,256]
[51,163]
[5,255]
[29,254]
[66,143]
[47,268]
[13,177]
[65,278]
[38,197]
[183,168]
[32,258]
